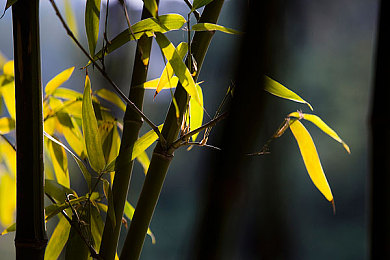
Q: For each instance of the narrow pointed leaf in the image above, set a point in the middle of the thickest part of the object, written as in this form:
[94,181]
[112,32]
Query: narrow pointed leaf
[57,191]
[144,160]
[97,227]
[7,124]
[80,163]
[58,239]
[58,80]
[8,5]
[70,17]
[167,74]
[199,3]
[152,84]
[144,142]
[111,97]
[129,213]
[90,130]
[108,194]
[7,199]
[8,68]
[178,66]
[152,7]
[92,18]
[213,27]
[66,93]
[11,228]
[196,112]
[148,26]
[59,161]
[321,125]
[277,89]
[310,158]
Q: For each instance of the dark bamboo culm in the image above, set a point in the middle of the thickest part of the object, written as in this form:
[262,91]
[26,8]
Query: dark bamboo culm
[30,239]
[162,157]
[380,143]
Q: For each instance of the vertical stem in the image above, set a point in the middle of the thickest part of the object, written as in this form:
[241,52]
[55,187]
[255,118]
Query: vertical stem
[132,123]
[380,141]
[161,158]
[31,239]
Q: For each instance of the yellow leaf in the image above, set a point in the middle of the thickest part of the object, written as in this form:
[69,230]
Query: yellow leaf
[196,112]
[8,93]
[59,161]
[58,80]
[8,68]
[144,160]
[7,199]
[321,125]
[152,84]
[6,125]
[310,158]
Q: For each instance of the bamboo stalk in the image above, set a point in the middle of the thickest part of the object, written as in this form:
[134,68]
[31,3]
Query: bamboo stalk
[30,239]
[132,123]
[161,157]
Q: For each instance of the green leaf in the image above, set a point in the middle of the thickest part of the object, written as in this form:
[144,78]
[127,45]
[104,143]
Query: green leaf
[66,93]
[57,191]
[75,246]
[92,18]
[310,158]
[54,209]
[213,27]
[167,74]
[73,135]
[90,130]
[152,84]
[196,112]
[58,80]
[7,124]
[152,7]
[11,228]
[70,17]
[59,161]
[129,213]
[58,239]
[277,89]
[321,125]
[178,66]
[80,163]
[144,160]
[148,26]
[111,97]
[97,227]
[199,3]
[144,142]
[108,194]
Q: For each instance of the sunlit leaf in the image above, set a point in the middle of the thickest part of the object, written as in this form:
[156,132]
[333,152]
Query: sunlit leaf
[178,66]
[110,139]
[144,142]
[152,7]
[8,93]
[7,124]
[59,161]
[70,17]
[74,137]
[321,125]
[7,199]
[53,209]
[196,112]
[80,163]
[111,97]
[58,80]
[310,158]
[66,93]
[108,194]
[57,191]
[167,74]
[148,26]
[129,213]
[11,228]
[8,68]
[213,27]
[92,18]
[152,84]
[90,130]
[58,239]
[199,3]
[9,157]
[97,227]
[277,89]
[144,160]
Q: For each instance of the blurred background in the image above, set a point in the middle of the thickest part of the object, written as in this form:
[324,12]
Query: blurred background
[323,50]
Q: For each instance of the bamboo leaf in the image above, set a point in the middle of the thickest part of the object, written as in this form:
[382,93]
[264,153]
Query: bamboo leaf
[167,74]
[8,93]
[59,161]
[80,163]
[11,228]
[92,18]
[144,160]
[129,213]
[178,66]
[58,239]
[7,124]
[111,97]
[277,89]
[90,130]
[152,84]
[199,3]
[7,199]
[97,227]
[70,17]
[58,80]
[108,194]
[321,125]
[213,27]
[144,142]
[310,158]
[196,112]
[57,191]
[74,137]
[152,7]
[8,68]
[66,93]
[148,26]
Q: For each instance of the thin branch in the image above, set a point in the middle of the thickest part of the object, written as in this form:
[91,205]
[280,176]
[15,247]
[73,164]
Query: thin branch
[202,145]
[105,75]
[196,13]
